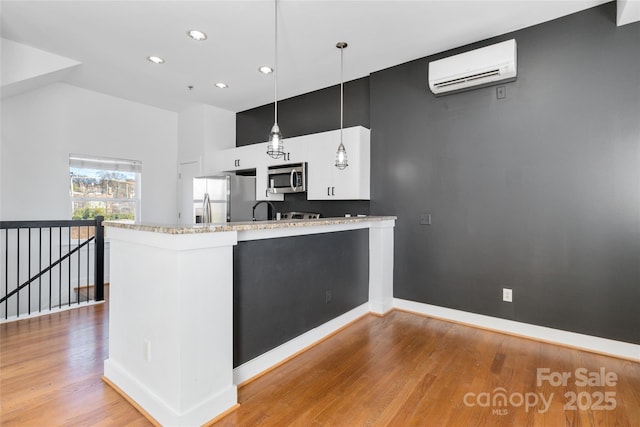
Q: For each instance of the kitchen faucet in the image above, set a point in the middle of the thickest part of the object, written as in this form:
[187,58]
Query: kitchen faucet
[253,212]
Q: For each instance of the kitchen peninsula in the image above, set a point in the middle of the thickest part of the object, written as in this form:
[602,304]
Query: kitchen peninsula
[197,310]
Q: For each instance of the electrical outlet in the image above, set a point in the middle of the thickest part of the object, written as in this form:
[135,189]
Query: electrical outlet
[147,350]
[501,92]
[327,297]
[425,219]
[507,295]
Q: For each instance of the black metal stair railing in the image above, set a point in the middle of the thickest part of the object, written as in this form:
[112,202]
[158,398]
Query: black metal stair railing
[63,270]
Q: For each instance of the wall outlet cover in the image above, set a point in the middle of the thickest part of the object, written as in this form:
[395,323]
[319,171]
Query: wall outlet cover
[147,350]
[507,295]
[328,297]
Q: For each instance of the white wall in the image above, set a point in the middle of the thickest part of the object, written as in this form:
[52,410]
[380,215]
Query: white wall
[203,130]
[40,128]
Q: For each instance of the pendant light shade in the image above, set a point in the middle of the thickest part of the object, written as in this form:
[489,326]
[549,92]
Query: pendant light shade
[341,155]
[275,147]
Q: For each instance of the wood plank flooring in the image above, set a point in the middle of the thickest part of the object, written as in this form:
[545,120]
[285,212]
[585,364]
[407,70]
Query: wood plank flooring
[399,370]
[50,372]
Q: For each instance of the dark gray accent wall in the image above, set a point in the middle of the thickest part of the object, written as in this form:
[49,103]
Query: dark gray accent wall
[280,285]
[538,192]
[314,112]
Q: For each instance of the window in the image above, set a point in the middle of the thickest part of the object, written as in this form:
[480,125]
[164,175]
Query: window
[103,186]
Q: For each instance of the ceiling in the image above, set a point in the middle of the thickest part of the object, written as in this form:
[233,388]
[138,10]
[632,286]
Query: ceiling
[111,40]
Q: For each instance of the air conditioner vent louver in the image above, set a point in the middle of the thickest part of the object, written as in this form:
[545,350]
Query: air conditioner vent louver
[479,67]
[468,78]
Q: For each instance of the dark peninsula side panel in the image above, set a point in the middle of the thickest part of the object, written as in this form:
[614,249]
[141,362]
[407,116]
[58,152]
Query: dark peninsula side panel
[281,286]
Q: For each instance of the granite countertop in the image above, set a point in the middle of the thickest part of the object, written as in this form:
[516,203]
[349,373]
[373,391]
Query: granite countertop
[241,226]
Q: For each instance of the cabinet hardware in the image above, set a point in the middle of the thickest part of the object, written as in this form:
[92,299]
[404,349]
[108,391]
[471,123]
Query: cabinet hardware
[333,193]
[328,191]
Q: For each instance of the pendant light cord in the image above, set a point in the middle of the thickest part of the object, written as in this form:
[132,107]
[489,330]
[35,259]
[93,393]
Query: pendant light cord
[341,92]
[341,155]
[275,74]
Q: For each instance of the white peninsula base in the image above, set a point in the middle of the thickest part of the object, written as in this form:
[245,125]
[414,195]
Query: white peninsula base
[171,310]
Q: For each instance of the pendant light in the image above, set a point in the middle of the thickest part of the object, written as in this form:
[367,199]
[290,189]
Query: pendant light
[275,147]
[341,154]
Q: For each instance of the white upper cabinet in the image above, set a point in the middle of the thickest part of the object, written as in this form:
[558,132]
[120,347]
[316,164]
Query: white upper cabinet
[262,192]
[255,155]
[295,151]
[239,158]
[325,181]
[318,150]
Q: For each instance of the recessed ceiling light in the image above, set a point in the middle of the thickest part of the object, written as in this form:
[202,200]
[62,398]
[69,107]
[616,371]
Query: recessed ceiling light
[155,59]
[265,69]
[221,85]
[197,35]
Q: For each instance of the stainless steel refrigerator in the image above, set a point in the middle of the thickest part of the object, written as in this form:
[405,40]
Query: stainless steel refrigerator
[223,198]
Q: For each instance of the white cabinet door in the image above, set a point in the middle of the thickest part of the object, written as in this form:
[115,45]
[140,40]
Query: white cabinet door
[262,193]
[355,185]
[235,159]
[348,182]
[326,182]
[295,151]
[321,160]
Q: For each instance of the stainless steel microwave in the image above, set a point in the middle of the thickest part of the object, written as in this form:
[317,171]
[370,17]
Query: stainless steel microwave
[287,178]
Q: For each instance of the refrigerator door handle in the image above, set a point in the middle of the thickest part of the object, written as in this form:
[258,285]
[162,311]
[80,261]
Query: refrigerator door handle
[206,209]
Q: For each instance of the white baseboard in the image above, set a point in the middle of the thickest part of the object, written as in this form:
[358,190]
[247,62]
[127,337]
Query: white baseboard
[159,409]
[281,353]
[586,342]
[380,308]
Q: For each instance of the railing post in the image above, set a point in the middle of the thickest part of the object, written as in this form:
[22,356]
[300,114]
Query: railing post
[99,261]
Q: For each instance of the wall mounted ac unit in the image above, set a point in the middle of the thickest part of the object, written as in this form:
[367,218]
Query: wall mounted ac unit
[480,67]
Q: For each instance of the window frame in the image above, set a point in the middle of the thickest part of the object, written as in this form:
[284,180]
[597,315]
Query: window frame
[112,165]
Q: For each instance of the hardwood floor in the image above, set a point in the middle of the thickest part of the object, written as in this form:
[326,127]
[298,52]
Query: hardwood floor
[407,370]
[399,370]
[50,372]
